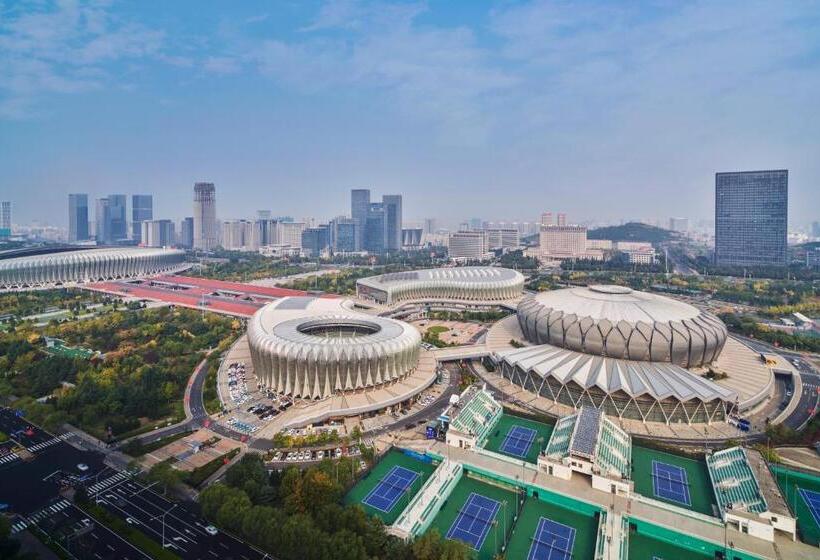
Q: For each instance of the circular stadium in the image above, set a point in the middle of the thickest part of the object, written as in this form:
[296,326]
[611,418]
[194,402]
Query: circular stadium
[632,354]
[314,348]
[618,322]
[50,267]
[464,284]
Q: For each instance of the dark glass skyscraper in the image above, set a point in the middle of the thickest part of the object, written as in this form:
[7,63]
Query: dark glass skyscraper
[359,209]
[751,218]
[392,221]
[142,210]
[77,217]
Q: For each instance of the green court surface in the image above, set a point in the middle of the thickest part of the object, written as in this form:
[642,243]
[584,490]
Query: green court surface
[790,481]
[506,422]
[391,459]
[645,547]
[700,485]
[455,503]
[586,529]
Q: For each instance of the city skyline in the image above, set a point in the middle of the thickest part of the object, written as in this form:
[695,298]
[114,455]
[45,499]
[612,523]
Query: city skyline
[589,122]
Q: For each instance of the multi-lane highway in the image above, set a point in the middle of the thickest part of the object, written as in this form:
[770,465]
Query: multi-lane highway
[43,466]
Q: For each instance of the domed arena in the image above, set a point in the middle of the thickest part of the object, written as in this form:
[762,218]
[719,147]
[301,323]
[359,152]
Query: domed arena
[314,347]
[633,354]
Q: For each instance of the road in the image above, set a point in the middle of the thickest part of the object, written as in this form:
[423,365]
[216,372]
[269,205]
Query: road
[49,465]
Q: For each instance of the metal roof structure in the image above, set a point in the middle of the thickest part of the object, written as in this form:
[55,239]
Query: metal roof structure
[467,283]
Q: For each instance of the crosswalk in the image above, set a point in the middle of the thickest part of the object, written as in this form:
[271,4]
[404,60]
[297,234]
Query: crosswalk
[107,482]
[48,443]
[9,458]
[38,516]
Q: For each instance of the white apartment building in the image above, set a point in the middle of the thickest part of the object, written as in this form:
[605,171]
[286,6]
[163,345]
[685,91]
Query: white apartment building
[468,245]
[506,238]
[563,242]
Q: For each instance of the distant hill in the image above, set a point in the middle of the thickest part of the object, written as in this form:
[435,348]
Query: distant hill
[633,231]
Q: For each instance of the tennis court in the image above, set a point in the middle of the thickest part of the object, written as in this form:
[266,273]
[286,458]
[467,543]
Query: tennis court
[548,531]
[679,478]
[374,491]
[511,436]
[474,520]
[645,546]
[796,487]
[468,518]
[670,483]
[552,541]
[518,441]
[396,483]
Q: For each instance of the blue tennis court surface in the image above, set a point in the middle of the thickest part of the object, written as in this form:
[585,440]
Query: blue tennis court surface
[552,541]
[670,483]
[812,500]
[474,520]
[518,441]
[390,488]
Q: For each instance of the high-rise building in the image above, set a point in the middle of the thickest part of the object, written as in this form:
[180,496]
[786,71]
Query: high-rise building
[815,229]
[359,209]
[679,224]
[374,229]
[559,242]
[475,224]
[238,235]
[429,226]
[186,233]
[263,214]
[287,234]
[751,218]
[102,221]
[142,209]
[118,226]
[315,240]
[77,217]
[468,245]
[506,238]
[411,238]
[205,232]
[157,233]
[391,203]
[546,219]
[5,218]
[343,234]
[562,219]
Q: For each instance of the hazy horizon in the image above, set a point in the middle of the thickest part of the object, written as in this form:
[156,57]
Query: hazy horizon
[600,110]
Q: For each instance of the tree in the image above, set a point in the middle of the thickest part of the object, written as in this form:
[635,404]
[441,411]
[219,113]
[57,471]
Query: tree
[165,475]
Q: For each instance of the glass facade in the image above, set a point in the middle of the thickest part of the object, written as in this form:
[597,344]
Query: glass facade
[751,218]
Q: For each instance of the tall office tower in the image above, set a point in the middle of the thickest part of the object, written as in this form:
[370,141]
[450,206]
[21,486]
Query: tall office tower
[119,222]
[102,221]
[429,226]
[751,218]
[359,209]
[475,224]
[343,234]
[546,219]
[205,233]
[468,245]
[77,217]
[186,233]
[5,218]
[263,214]
[679,224]
[375,234]
[815,229]
[562,219]
[391,203]
[142,209]
[315,240]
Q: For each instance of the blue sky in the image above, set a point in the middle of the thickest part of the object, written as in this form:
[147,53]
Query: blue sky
[604,110]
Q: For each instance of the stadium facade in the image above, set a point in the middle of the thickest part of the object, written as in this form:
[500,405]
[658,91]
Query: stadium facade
[631,354]
[465,284]
[54,267]
[314,348]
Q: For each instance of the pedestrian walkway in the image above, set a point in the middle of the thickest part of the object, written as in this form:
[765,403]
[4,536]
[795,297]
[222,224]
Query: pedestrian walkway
[38,516]
[42,445]
[108,482]
[9,458]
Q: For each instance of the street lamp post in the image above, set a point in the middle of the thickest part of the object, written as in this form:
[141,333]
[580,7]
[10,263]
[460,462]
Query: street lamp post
[163,523]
